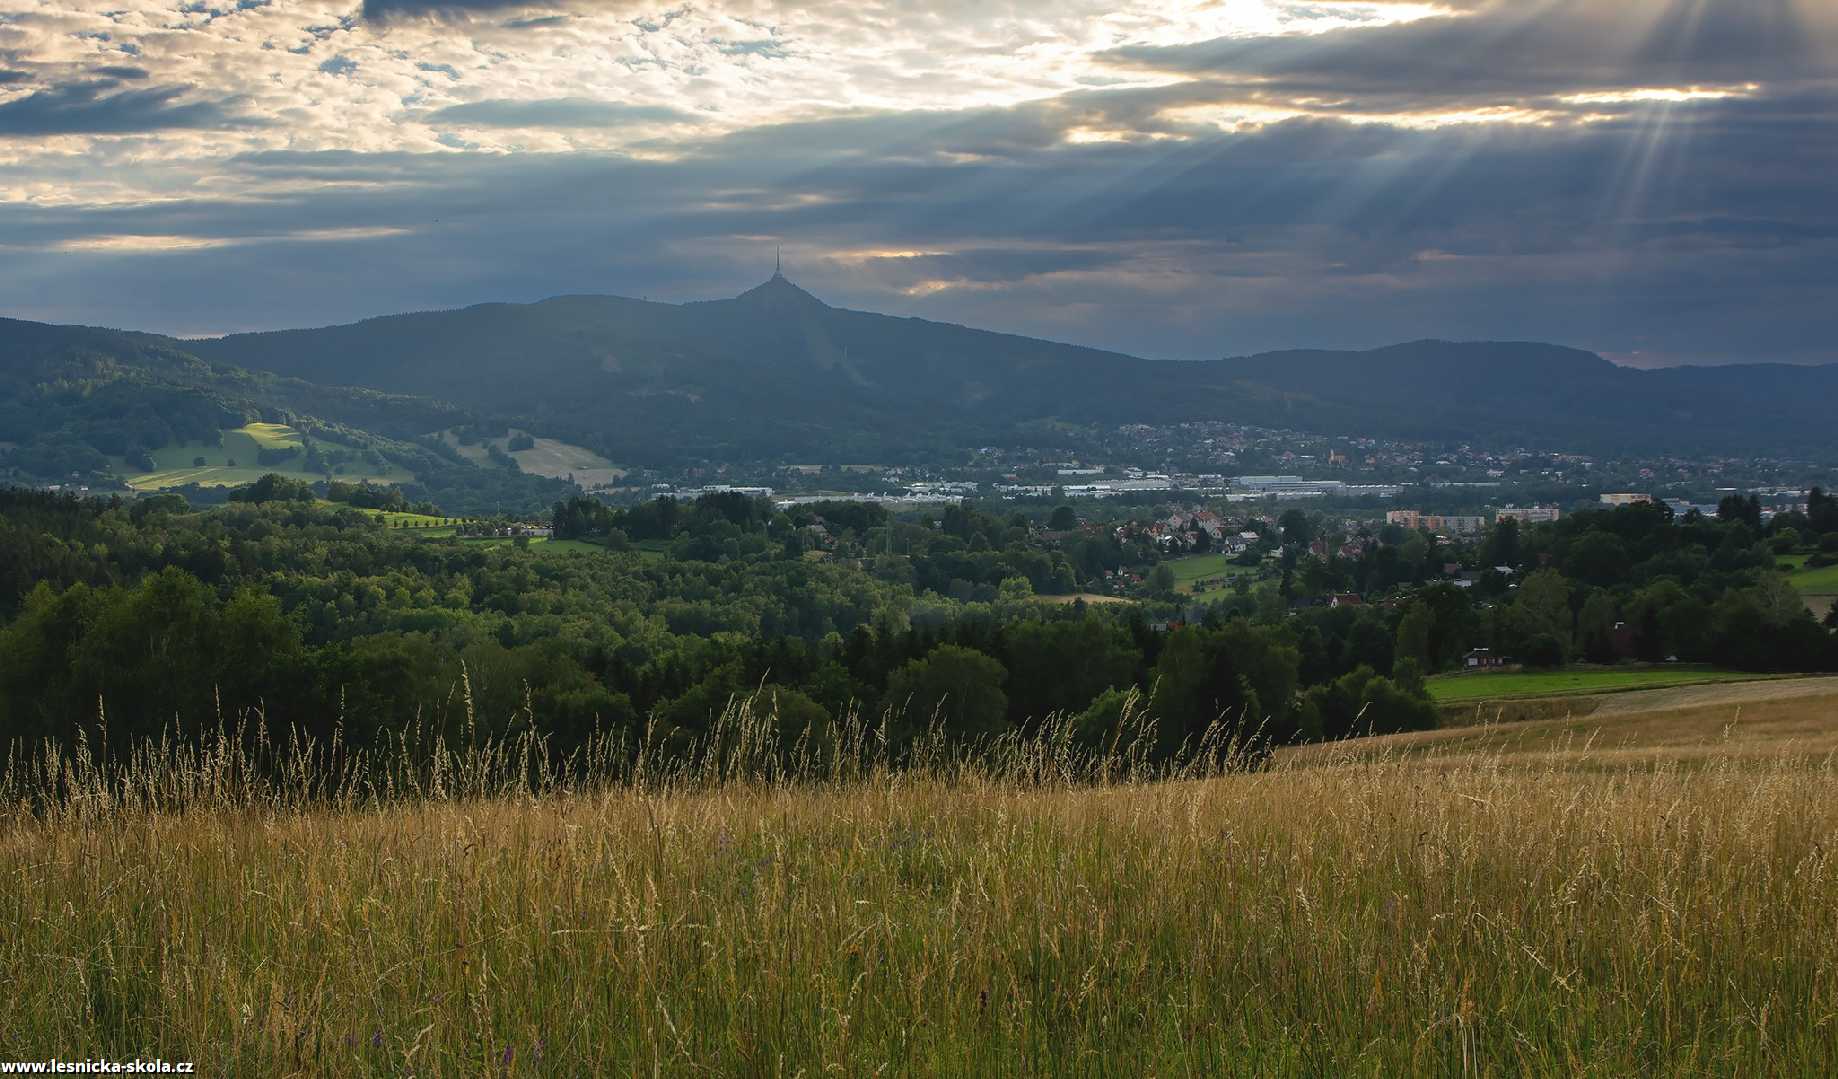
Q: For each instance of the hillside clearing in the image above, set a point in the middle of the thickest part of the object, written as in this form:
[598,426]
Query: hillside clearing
[237,461]
[549,457]
[1088,597]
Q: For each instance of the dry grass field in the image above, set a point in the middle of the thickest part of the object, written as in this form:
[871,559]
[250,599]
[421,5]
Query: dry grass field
[1650,895]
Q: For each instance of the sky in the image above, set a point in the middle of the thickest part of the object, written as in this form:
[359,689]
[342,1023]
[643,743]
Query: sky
[1656,180]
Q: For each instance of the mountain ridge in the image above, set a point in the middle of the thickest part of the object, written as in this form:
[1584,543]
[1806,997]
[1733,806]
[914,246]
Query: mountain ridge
[776,371]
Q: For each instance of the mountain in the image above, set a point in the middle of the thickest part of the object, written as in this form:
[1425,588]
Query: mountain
[774,370]
[777,371]
[1524,392]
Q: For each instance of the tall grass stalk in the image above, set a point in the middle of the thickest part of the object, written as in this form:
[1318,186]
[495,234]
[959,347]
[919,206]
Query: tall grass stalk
[759,905]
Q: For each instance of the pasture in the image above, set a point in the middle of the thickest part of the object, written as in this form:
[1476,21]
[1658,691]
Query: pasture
[1515,685]
[237,462]
[1193,569]
[1817,581]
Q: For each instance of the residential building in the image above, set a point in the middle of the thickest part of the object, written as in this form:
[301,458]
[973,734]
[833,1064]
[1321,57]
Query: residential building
[1528,515]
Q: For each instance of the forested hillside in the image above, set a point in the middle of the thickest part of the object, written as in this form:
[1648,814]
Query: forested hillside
[93,405]
[777,371]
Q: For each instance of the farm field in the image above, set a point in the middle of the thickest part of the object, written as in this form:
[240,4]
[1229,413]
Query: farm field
[237,462]
[1455,688]
[420,524]
[1200,567]
[1727,722]
[1650,895]
[1819,581]
[540,544]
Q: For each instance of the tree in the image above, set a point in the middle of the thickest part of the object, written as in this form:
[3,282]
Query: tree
[1502,546]
[1014,590]
[1595,628]
[1822,511]
[1544,651]
[274,488]
[1737,508]
[1064,519]
[1544,601]
[1298,529]
[960,687]
[1362,702]
[1598,558]
[1413,641]
[1063,666]
[1161,580]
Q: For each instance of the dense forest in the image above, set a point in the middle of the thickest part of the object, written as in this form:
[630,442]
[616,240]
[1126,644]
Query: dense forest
[142,617]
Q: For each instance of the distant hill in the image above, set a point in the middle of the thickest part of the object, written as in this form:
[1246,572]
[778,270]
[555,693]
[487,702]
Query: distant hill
[107,407]
[1544,393]
[772,371]
[777,372]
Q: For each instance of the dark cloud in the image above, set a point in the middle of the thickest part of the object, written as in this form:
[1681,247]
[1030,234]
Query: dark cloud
[537,22]
[559,112]
[1310,232]
[126,74]
[7,78]
[383,10]
[1514,53]
[98,108]
[1702,231]
[541,13]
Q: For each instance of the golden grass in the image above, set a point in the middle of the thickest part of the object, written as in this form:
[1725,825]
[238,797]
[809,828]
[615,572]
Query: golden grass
[1350,914]
[1788,718]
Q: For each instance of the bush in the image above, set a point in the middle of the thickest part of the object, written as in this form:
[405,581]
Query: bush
[1544,651]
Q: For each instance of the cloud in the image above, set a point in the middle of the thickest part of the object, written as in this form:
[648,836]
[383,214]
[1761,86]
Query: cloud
[7,78]
[1307,232]
[384,11]
[90,108]
[1510,52]
[559,112]
[387,9]
[126,74]
[1180,178]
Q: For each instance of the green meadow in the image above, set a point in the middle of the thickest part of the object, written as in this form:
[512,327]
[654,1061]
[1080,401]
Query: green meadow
[1506,685]
[237,462]
[1200,567]
[1818,581]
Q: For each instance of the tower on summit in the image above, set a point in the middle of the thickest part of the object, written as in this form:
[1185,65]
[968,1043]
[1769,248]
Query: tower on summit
[778,263]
